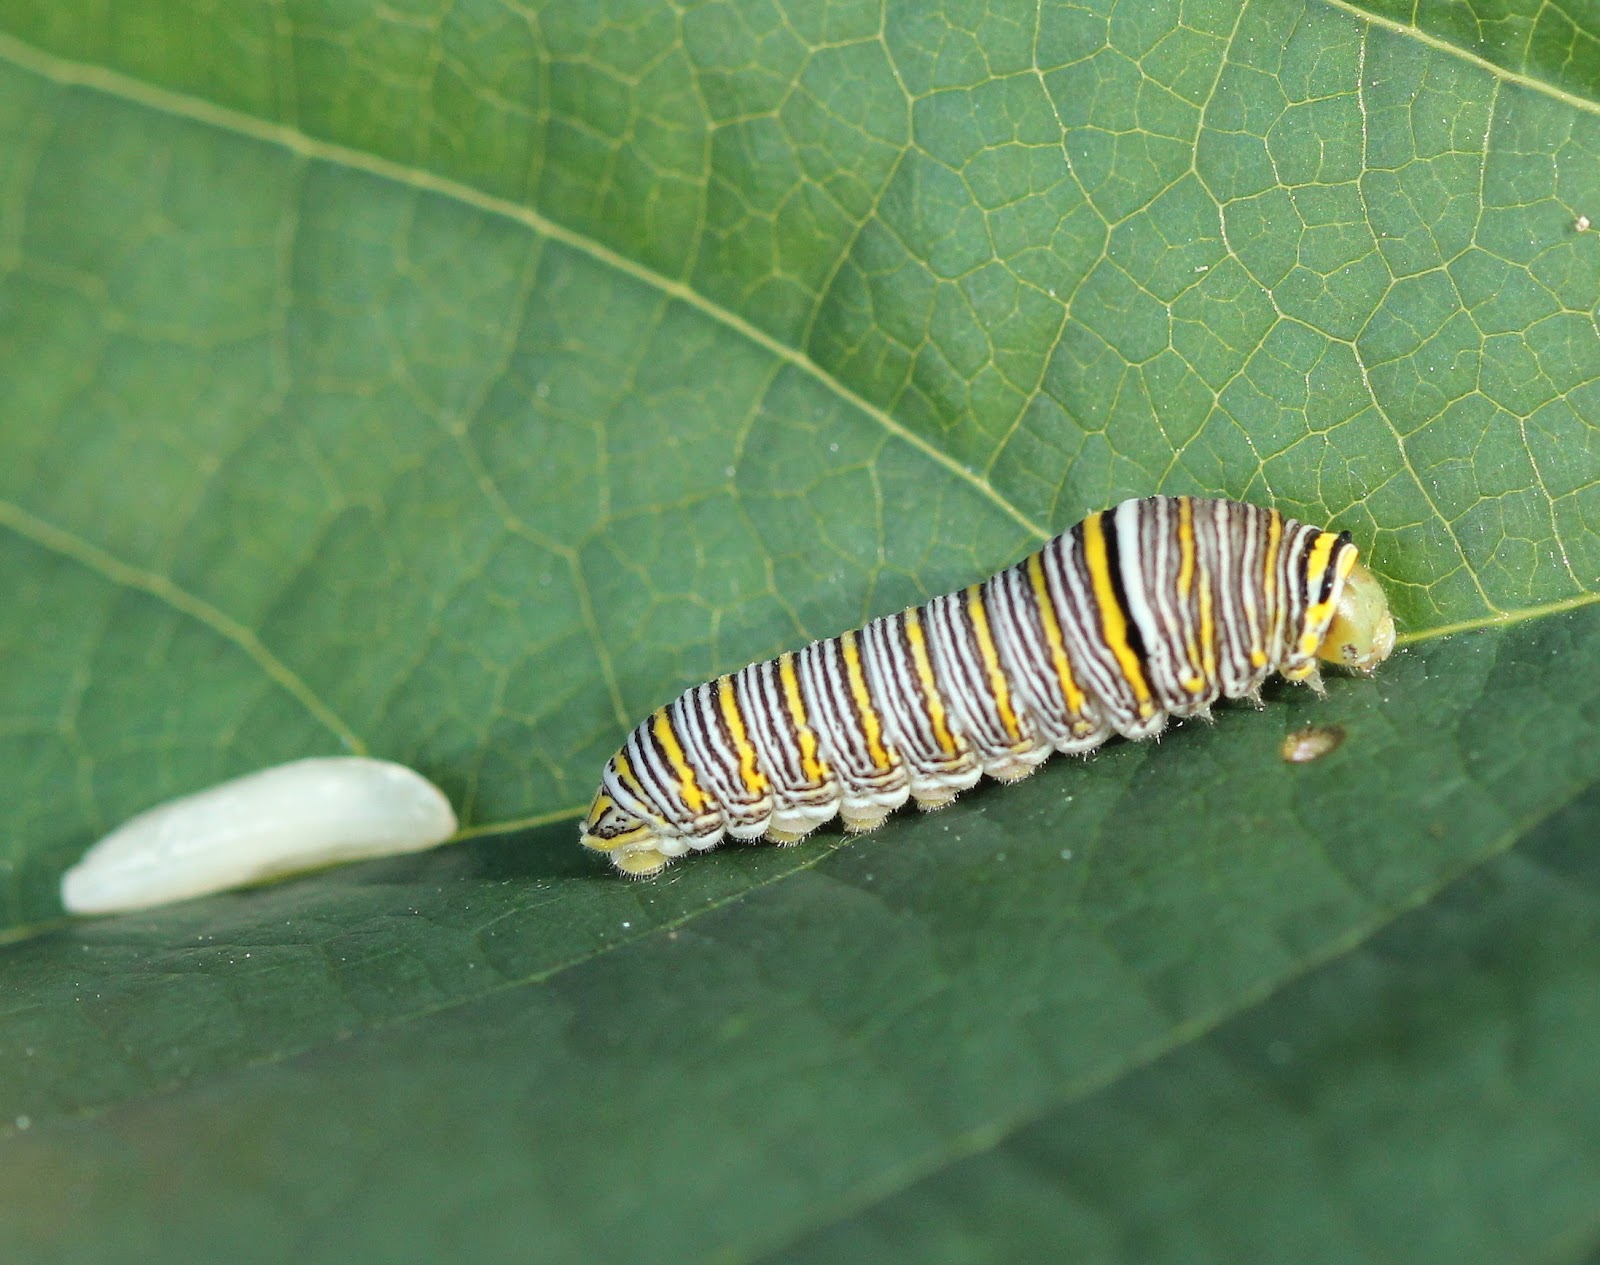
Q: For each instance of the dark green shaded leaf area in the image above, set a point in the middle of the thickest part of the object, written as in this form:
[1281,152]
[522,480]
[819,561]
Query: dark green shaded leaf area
[456,382]
[1429,1097]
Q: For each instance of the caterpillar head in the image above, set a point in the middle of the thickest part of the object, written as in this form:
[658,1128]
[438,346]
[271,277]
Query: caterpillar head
[1361,633]
[624,836]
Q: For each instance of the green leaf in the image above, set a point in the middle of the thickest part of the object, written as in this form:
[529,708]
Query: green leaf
[1430,1096]
[458,382]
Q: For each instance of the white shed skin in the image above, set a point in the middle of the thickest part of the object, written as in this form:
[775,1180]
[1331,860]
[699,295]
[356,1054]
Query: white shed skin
[298,816]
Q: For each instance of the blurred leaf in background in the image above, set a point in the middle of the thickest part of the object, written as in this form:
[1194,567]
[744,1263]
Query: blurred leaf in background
[455,382]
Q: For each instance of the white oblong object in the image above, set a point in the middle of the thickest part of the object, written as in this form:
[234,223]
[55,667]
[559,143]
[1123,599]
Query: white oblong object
[297,816]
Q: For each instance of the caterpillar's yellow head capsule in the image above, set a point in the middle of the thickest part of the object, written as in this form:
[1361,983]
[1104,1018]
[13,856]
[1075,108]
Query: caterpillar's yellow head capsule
[1361,634]
[626,838]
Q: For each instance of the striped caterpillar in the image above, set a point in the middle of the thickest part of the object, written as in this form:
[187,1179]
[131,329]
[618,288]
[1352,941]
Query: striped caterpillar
[1147,611]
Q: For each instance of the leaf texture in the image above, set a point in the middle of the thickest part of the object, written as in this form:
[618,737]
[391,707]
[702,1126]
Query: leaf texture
[457,382]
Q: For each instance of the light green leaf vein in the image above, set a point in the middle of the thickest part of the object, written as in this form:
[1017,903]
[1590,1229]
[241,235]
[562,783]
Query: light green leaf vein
[118,572]
[99,79]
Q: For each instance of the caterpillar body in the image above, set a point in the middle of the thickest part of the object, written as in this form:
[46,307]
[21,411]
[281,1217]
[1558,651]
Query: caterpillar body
[1151,610]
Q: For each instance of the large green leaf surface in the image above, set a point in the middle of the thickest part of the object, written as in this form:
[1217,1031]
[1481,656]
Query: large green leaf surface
[456,382]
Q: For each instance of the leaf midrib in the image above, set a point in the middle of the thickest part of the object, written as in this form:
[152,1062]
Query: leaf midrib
[959,1146]
[113,83]
[162,100]
[973,1142]
[1476,60]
